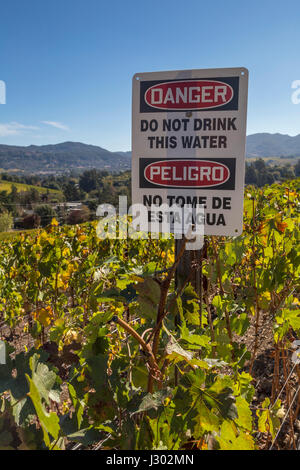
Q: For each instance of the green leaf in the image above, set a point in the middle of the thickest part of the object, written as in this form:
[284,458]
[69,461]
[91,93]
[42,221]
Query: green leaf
[149,401]
[149,296]
[109,295]
[267,419]
[239,323]
[145,436]
[97,366]
[218,303]
[175,352]
[78,405]
[244,419]
[230,440]
[49,421]
[86,436]
[206,420]
[194,341]
[44,380]
[190,305]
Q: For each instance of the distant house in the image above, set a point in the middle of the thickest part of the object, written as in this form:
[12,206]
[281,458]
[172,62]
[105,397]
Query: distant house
[69,206]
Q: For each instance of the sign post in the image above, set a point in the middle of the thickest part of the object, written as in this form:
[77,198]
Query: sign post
[188,150]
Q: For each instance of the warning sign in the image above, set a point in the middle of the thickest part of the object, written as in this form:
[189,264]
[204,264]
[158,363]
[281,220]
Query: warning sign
[188,143]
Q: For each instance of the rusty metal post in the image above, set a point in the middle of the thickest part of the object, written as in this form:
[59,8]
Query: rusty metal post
[190,269]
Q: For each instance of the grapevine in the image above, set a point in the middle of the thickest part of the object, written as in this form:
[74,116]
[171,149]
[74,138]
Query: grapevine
[92,342]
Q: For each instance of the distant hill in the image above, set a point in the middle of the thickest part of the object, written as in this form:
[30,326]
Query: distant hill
[61,157]
[7,186]
[78,156]
[270,145]
[267,145]
[125,154]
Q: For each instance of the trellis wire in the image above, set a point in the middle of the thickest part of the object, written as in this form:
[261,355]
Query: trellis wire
[283,421]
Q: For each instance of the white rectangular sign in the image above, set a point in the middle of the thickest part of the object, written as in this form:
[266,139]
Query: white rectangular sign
[188,143]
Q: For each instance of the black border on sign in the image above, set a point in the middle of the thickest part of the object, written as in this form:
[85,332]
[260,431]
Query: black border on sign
[229,184]
[233,105]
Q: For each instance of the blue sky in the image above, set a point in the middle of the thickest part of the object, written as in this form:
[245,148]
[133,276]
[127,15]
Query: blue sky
[68,64]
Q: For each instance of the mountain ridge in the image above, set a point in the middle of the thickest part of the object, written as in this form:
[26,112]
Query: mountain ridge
[69,155]
[265,144]
[61,157]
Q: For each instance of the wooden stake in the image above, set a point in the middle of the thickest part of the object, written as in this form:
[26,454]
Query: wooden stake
[188,270]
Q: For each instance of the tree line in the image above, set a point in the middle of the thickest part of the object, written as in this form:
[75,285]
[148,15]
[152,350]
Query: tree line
[75,199]
[77,196]
[258,173]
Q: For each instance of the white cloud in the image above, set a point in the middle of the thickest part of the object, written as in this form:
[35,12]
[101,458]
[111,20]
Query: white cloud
[14,128]
[58,125]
